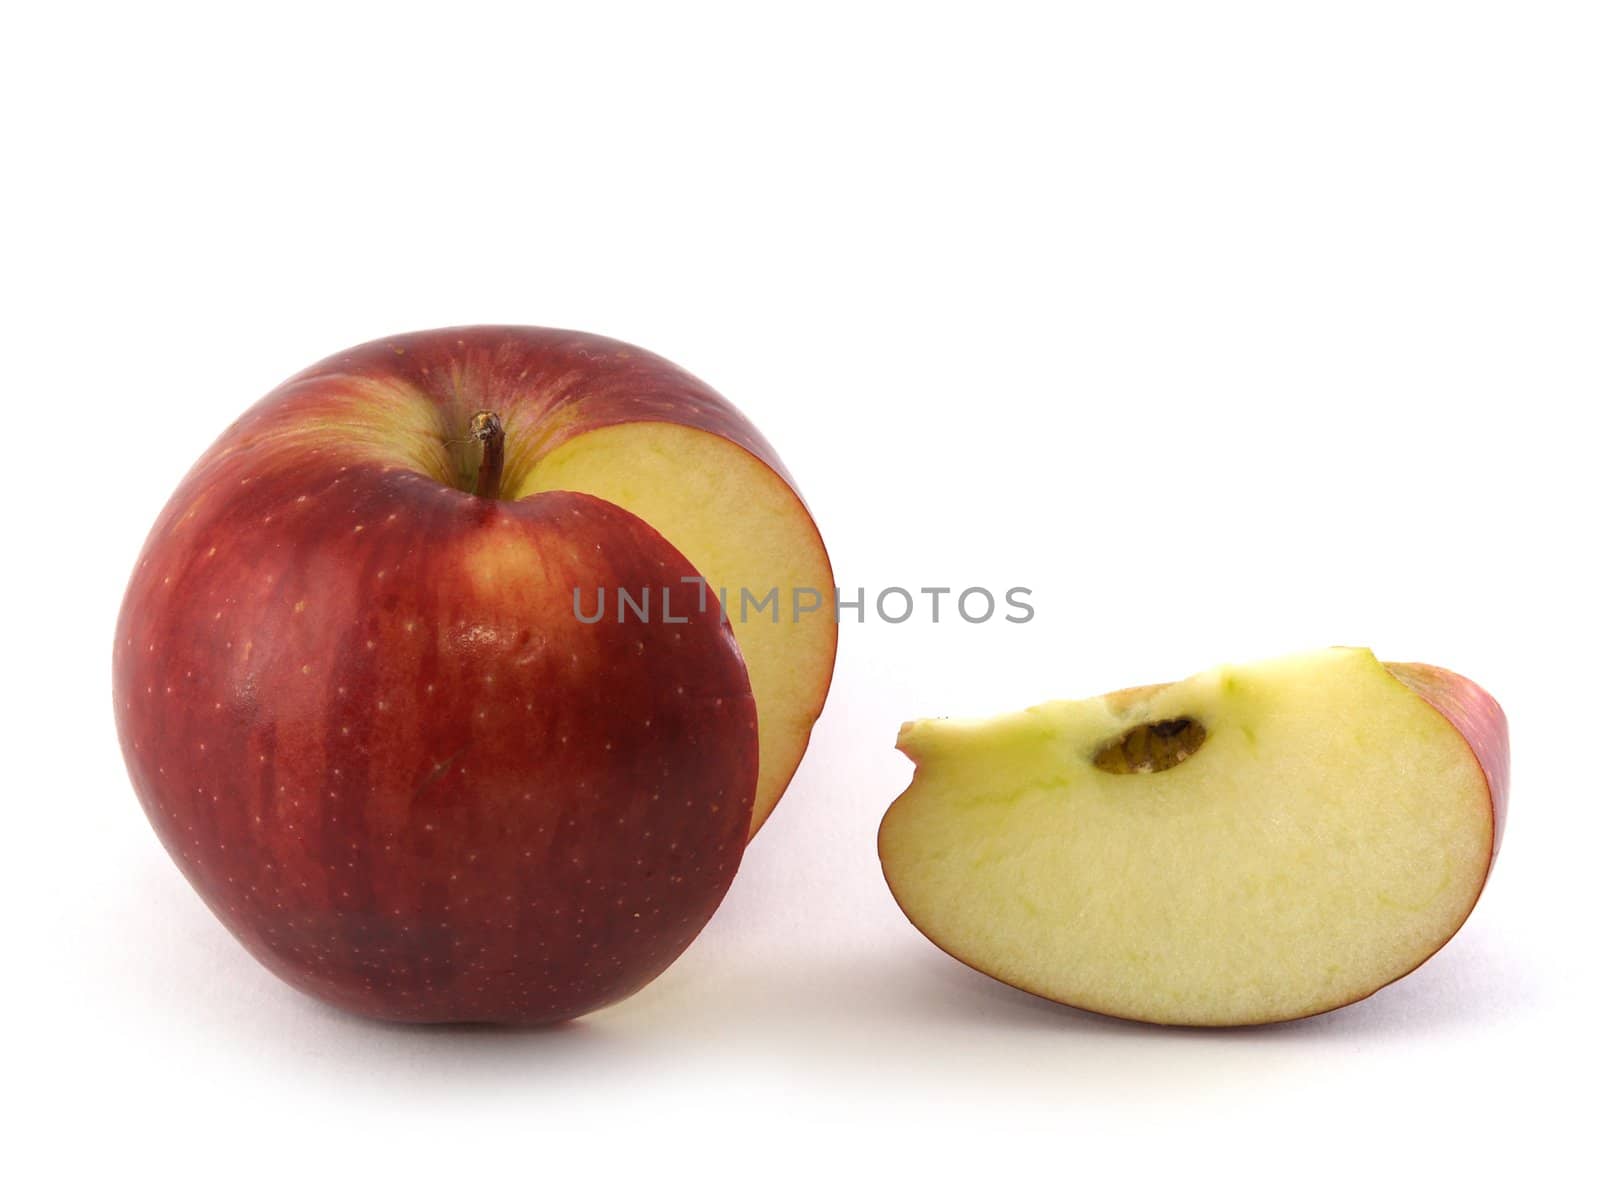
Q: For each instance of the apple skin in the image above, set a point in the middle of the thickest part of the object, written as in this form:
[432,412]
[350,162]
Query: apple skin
[362,717]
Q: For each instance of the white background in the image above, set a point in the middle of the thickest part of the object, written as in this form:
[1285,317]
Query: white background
[1230,329]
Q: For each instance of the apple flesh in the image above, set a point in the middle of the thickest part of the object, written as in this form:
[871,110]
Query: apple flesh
[1254,844]
[362,715]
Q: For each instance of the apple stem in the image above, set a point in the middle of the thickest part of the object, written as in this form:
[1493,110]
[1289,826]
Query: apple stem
[486,428]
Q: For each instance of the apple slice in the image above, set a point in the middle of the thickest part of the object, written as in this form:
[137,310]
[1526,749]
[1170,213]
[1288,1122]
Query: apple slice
[1254,844]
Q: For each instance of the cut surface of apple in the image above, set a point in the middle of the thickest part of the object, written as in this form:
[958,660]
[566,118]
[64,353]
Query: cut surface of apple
[1254,844]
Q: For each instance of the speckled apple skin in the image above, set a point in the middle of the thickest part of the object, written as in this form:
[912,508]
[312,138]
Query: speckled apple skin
[362,717]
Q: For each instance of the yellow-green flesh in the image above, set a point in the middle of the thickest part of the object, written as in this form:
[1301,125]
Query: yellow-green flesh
[1332,832]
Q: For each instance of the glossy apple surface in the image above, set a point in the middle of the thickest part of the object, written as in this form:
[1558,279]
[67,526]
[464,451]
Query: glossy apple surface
[1254,844]
[362,715]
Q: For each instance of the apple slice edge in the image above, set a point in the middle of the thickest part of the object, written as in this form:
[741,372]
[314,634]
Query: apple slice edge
[1481,722]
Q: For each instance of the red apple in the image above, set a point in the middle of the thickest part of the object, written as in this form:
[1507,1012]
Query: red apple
[360,709]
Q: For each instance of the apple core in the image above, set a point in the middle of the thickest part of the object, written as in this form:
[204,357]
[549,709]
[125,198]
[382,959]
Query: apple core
[1151,747]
